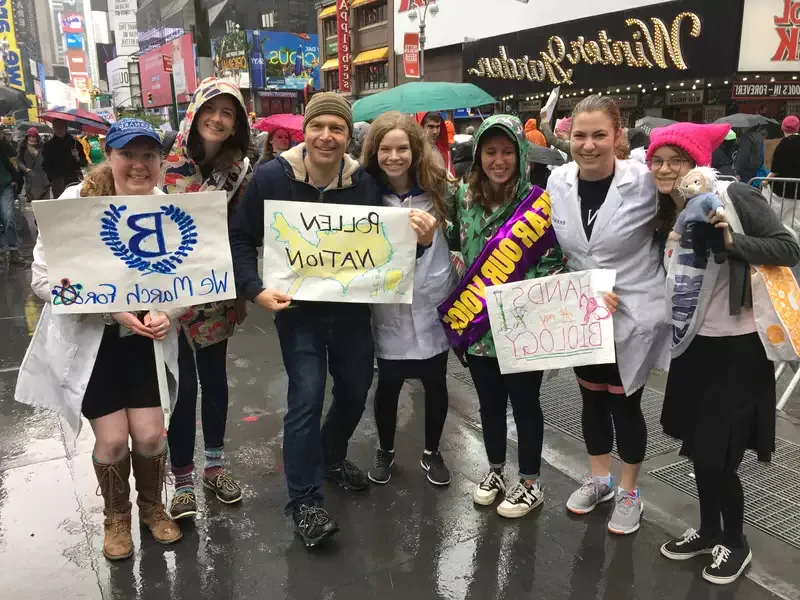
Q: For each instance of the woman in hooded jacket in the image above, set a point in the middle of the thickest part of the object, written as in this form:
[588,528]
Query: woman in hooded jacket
[498,183]
[209,154]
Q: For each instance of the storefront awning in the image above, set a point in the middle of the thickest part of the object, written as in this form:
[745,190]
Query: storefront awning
[357,3]
[372,56]
[328,12]
[330,64]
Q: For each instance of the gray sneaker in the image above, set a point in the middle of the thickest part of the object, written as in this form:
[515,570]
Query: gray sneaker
[590,494]
[627,513]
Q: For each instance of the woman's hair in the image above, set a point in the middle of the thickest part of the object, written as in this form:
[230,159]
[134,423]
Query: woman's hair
[235,145]
[480,189]
[623,149]
[606,105]
[667,212]
[426,170]
[99,182]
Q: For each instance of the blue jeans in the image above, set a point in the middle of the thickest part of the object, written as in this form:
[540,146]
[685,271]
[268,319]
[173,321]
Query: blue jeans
[313,338]
[8,222]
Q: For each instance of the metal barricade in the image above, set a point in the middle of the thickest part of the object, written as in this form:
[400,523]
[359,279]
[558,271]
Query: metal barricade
[783,196]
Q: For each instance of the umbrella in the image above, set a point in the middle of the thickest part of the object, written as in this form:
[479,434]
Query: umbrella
[12,100]
[291,123]
[545,156]
[83,119]
[746,121]
[647,124]
[421,96]
[40,127]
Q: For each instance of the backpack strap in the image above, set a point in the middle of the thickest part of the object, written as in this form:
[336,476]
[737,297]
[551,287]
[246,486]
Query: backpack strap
[168,142]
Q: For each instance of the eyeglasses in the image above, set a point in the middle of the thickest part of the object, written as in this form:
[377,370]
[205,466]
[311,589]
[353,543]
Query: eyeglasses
[674,163]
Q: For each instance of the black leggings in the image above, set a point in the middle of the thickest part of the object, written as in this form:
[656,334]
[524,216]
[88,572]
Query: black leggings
[387,395]
[209,363]
[721,495]
[606,410]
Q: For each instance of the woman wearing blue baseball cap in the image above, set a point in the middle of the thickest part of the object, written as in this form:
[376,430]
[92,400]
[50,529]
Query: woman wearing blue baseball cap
[119,401]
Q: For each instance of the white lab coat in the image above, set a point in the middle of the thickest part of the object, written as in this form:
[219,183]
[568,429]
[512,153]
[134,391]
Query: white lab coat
[60,358]
[413,331]
[622,239]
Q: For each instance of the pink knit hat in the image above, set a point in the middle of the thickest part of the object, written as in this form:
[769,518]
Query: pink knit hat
[564,124]
[698,141]
[791,124]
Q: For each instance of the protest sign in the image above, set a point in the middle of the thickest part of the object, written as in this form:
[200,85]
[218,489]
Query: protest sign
[129,253]
[338,252]
[552,322]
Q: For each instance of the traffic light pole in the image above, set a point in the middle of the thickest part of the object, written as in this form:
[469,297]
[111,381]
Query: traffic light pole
[175,120]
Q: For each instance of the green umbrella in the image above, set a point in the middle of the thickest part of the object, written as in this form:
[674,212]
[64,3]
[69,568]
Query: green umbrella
[421,96]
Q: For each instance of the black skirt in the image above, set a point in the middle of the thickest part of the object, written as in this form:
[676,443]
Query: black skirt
[435,366]
[124,375]
[720,400]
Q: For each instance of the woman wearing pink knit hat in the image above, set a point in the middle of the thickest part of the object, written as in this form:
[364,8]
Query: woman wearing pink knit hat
[720,395]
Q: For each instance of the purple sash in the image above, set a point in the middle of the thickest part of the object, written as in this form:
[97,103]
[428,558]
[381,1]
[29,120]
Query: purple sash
[521,241]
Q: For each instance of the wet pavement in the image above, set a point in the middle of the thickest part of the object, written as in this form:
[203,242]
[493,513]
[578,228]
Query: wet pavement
[407,539]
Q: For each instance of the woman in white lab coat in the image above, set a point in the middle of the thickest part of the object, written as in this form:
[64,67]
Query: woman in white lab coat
[603,212]
[103,366]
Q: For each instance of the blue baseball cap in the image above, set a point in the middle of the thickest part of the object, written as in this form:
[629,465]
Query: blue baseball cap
[124,131]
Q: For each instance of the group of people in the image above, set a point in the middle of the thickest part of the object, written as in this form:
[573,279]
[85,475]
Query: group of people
[607,213]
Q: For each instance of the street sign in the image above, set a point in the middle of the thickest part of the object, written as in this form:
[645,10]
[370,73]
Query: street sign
[167,63]
[411,55]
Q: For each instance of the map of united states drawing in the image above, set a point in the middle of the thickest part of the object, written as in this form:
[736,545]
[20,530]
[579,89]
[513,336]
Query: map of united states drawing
[340,255]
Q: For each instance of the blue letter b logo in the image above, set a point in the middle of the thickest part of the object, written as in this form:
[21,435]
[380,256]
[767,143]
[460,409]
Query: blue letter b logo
[143,232]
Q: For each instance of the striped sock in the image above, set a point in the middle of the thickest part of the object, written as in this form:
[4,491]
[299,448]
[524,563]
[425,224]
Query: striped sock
[184,478]
[213,466]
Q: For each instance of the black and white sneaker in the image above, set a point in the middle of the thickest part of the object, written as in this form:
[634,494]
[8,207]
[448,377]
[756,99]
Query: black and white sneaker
[520,500]
[381,471]
[728,564]
[313,524]
[348,476]
[486,493]
[433,463]
[689,545]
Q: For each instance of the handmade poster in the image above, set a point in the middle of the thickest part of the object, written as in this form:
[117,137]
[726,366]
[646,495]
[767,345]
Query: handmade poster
[552,322]
[129,253]
[339,252]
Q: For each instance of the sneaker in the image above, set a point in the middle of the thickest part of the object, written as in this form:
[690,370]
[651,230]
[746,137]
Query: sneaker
[433,463]
[627,513]
[15,258]
[183,505]
[313,524]
[381,471]
[728,564]
[486,493]
[348,476]
[226,489]
[689,545]
[589,495]
[520,500]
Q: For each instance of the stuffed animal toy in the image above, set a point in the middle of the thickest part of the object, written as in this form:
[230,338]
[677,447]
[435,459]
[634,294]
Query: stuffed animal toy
[697,187]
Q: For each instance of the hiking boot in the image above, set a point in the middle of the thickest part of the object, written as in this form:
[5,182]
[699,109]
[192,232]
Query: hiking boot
[486,492]
[520,500]
[149,473]
[627,513]
[114,487]
[433,463]
[728,564]
[689,545]
[313,524]
[183,505]
[589,495]
[15,258]
[224,487]
[381,471]
[348,476]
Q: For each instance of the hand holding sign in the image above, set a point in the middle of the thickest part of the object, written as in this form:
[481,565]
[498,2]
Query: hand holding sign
[424,225]
[273,300]
[132,322]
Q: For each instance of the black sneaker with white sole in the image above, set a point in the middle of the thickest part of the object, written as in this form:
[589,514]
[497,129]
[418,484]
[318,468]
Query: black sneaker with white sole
[381,471]
[313,524]
[433,463]
[728,564]
[347,476]
[689,545]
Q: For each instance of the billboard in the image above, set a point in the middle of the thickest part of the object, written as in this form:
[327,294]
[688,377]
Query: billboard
[71,23]
[122,17]
[13,61]
[184,70]
[119,82]
[155,80]
[280,60]
[770,36]
[231,54]
[74,41]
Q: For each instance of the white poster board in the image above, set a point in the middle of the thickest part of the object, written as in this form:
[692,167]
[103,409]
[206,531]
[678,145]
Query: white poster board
[130,253]
[552,322]
[338,252]
[550,105]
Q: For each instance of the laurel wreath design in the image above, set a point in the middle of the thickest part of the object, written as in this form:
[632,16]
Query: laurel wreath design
[109,233]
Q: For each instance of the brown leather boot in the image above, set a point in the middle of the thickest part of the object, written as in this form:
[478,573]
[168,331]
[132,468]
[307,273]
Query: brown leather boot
[114,486]
[149,474]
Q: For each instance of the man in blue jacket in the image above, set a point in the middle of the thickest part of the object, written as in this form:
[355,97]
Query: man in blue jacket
[318,170]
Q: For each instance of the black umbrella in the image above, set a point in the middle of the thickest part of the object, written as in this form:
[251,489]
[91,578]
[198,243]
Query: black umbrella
[746,121]
[12,100]
[649,123]
[545,156]
[40,127]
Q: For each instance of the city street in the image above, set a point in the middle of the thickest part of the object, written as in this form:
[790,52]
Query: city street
[404,540]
